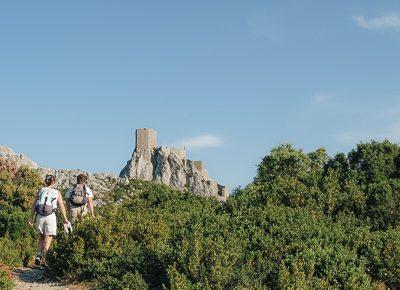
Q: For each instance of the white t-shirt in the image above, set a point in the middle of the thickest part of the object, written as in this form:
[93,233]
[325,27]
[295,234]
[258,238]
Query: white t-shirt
[50,193]
[89,192]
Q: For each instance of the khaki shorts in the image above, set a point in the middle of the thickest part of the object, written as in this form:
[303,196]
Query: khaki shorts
[77,212]
[46,225]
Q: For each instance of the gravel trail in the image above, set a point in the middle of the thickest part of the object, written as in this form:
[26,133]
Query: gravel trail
[34,278]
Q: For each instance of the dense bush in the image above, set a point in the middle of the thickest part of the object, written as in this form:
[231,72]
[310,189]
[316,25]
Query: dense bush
[131,243]
[17,191]
[6,281]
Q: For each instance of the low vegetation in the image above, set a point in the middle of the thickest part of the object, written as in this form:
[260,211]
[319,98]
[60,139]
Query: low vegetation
[307,221]
[18,188]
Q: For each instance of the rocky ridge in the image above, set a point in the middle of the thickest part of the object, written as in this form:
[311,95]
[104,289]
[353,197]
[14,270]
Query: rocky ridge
[160,164]
[18,159]
[100,182]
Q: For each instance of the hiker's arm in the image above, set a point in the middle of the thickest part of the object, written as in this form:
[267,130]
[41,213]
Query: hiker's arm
[91,208]
[61,206]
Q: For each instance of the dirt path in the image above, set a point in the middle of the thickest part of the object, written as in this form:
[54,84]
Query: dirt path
[34,278]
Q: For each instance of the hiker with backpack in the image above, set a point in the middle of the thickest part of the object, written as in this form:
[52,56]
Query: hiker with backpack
[44,217]
[79,198]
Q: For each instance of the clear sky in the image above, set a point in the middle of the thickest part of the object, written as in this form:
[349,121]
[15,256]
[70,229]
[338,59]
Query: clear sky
[229,79]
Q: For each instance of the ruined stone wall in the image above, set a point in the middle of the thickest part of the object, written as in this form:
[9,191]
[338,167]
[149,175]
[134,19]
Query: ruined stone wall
[180,152]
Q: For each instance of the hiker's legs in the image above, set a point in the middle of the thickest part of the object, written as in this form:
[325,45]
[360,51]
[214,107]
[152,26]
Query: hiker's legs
[41,244]
[47,228]
[44,246]
[46,243]
[76,213]
[40,252]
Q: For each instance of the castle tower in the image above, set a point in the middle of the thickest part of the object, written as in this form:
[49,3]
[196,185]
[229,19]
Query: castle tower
[146,138]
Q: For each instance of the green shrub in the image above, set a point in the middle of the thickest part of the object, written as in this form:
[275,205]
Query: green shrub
[17,192]
[382,253]
[6,279]
[130,280]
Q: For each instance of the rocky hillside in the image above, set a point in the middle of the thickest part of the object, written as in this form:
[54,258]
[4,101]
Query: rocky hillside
[162,165]
[9,156]
[100,182]
[165,165]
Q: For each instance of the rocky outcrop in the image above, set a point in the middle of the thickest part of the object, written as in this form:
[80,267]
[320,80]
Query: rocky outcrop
[100,182]
[17,159]
[167,166]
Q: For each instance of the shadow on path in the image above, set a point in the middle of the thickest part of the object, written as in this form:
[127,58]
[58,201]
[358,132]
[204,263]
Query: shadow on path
[35,278]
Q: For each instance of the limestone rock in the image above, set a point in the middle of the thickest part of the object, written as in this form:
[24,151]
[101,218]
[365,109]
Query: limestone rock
[140,166]
[99,182]
[18,159]
[170,167]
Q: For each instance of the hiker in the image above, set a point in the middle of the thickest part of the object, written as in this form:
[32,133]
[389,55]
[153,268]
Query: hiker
[44,216]
[78,199]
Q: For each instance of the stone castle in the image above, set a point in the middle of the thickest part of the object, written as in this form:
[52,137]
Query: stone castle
[169,166]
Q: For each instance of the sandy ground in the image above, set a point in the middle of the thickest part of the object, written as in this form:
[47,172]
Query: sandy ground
[34,278]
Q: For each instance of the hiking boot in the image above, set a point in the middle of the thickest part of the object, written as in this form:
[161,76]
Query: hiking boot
[38,261]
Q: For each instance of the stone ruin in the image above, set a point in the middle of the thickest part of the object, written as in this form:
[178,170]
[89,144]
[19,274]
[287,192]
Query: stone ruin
[169,166]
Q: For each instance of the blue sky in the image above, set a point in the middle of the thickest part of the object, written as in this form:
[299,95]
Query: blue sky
[230,79]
